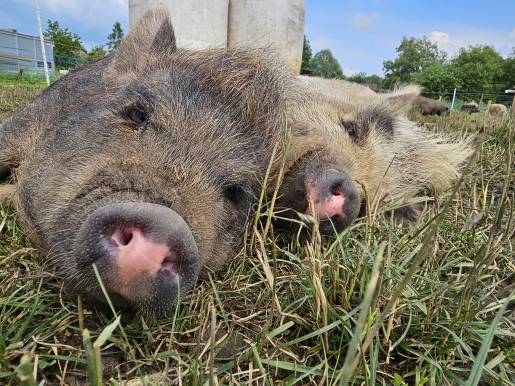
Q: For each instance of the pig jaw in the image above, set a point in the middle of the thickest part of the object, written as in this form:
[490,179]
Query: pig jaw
[145,254]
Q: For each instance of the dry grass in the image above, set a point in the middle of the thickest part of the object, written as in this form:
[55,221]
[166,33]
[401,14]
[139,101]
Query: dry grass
[288,307]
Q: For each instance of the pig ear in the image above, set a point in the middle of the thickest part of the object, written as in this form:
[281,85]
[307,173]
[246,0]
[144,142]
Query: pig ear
[151,41]
[402,99]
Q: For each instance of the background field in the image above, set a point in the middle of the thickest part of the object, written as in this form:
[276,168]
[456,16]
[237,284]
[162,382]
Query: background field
[407,305]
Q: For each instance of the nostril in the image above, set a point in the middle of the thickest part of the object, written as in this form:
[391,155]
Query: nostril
[121,237]
[127,236]
[335,190]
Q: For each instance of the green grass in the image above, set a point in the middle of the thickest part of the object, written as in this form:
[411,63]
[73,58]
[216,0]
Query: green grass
[378,305]
[31,79]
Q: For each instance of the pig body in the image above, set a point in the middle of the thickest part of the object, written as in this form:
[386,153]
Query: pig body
[349,143]
[145,163]
[428,106]
[470,108]
[498,110]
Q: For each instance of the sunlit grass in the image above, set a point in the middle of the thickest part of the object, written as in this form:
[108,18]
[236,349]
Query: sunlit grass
[301,309]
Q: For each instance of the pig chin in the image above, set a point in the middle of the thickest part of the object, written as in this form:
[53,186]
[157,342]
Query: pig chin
[145,254]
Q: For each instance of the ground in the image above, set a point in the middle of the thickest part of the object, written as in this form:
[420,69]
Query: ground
[299,310]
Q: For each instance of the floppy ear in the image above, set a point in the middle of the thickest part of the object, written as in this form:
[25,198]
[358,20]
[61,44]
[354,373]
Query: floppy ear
[402,99]
[150,42]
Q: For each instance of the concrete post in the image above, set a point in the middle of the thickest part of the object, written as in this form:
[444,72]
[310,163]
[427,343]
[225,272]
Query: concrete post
[197,24]
[279,23]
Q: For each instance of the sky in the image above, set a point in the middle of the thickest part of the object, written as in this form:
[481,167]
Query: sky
[361,33]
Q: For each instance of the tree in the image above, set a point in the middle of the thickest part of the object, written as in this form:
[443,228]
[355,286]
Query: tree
[306,54]
[439,78]
[67,44]
[324,64]
[414,56]
[480,68]
[362,77]
[96,52]
[115,37]
[508,80]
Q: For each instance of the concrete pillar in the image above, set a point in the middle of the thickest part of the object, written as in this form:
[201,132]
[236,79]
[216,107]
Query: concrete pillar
[197,24]
[276,22]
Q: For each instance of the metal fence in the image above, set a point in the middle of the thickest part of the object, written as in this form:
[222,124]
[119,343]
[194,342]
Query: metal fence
[468,97]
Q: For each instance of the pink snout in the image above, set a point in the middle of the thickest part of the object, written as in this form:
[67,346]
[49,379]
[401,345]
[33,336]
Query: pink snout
[138,255]
[335,200]
[145,254]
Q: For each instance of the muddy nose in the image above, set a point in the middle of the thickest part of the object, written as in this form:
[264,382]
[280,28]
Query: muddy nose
[144,252]
[335,201]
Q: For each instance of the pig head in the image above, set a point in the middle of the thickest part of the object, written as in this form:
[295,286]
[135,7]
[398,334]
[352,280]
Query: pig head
[350,145]
[145,163]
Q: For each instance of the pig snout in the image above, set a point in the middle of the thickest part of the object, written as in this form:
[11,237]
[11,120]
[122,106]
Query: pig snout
[335,201]
[145,253]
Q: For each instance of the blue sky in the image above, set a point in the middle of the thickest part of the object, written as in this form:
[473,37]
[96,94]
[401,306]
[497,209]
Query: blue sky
[361,33]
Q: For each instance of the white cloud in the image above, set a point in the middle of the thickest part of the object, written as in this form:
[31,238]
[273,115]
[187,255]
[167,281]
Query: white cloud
[444,42]
[463,37]
[364,21]
[318,44]
[349,72]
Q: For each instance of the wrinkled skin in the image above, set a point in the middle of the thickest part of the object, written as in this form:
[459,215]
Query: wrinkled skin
[145,163]
[428,106]
[350,145]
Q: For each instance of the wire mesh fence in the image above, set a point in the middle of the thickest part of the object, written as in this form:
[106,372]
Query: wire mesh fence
[481,98]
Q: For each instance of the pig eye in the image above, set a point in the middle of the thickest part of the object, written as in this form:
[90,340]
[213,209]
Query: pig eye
[138,116]
[236,193]
[351,128]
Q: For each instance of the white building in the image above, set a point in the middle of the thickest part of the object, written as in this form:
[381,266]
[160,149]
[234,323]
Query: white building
[21,51]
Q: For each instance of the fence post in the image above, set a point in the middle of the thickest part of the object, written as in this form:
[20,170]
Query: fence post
[487,111]
[512,110]
[43,48]
[453,97]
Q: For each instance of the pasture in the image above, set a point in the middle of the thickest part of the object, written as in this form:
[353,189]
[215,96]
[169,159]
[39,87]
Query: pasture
[379,304]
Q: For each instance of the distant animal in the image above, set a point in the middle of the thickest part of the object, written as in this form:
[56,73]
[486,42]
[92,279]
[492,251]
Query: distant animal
[497,110]
[470,108]
[428,106]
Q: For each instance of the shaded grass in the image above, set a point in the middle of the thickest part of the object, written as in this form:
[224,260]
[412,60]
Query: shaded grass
[293,305]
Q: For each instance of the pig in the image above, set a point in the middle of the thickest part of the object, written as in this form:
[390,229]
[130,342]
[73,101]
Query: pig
[145,164]
[470,108]
[349,145]
[497,110]
[428,106]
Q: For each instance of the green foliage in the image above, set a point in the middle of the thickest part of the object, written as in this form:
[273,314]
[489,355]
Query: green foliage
[96,52]
[324,64]
[509,71]
[115,37]
[480,68]
[414,56]
[438,78]
[66,43]
[306,54]
[362,77]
